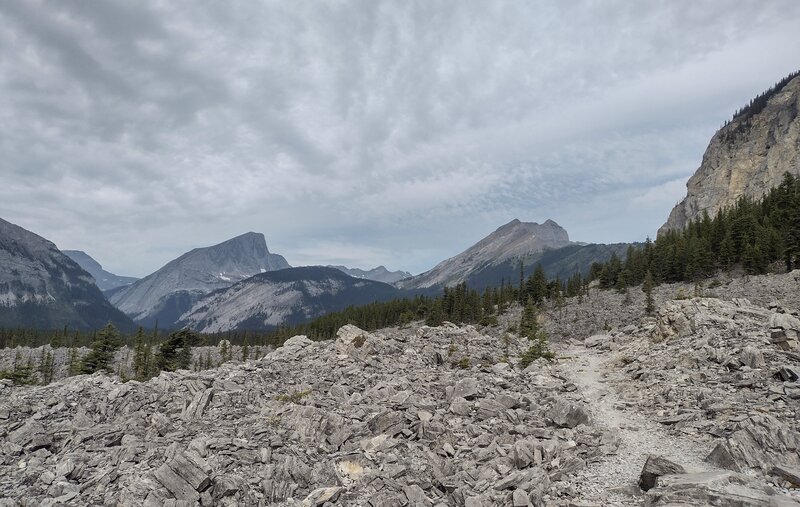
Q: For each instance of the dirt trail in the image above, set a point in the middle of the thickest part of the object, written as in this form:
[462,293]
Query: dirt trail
[612,481]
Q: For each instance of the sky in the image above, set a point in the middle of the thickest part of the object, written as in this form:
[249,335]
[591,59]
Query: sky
[365,132]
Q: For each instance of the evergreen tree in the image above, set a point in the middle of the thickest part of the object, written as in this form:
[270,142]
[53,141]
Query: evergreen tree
[245,350]
[73,362]
[224,351]
[142,357]
[436,315]
[529,322]
[530,329]
[101,355]
[175,353]
[647,288]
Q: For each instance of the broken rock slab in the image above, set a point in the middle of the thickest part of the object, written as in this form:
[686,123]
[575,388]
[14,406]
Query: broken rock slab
[185,477]
[788,473]
[466,388]
[715,488]
[655,467]
[320,496]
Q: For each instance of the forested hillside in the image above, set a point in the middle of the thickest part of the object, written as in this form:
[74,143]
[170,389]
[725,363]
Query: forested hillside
[751,234]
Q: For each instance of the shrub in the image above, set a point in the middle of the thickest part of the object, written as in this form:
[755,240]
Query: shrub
[489,320]
[19,376]
[462,363]
[295,397]
[540,348]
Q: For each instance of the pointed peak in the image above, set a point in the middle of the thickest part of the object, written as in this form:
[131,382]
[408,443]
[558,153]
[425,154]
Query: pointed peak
[249,235]
[510,225]
[248,238]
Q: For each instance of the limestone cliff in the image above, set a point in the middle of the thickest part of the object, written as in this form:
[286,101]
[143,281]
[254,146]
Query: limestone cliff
[746,157]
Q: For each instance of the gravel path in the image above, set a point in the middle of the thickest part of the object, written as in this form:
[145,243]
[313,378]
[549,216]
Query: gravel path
[613,481]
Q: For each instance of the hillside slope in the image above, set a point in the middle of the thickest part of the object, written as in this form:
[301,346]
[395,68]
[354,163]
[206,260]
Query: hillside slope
[285,297]
[40,287]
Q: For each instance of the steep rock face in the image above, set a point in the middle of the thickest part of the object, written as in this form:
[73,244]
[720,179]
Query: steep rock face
[104,279]
[285,297]
[512,241]
[43,288]
[747,158]
[379,274]
[166,294]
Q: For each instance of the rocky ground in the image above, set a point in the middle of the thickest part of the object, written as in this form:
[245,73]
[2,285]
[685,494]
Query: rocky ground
[705,392]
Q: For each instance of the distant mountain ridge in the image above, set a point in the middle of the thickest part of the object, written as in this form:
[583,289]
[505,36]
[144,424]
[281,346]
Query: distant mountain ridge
[104,279]
[41,287]
[379,274]
[559,263]
[513,240]
[166,294]
[747,157]
[285,297]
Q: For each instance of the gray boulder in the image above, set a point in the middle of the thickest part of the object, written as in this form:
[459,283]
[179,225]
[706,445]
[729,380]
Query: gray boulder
[568,414]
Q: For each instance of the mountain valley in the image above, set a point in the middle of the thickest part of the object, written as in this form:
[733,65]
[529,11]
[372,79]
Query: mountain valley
[104,280]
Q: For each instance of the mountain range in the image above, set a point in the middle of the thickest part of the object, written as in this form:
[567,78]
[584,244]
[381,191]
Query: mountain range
[379,274]
[104,279]
[163,296]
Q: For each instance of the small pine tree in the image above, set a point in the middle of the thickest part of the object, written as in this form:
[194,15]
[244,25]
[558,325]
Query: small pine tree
[224,351]
[176,352]
[141,349]
[245,350]
[46,366]
[436,315]
[530,329]
[529,322]
[73,362]
[101,355]
[647,288]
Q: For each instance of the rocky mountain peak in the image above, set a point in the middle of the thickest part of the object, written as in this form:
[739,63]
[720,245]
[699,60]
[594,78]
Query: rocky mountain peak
[745,158]
[171,290]
[525,237]
[516,239]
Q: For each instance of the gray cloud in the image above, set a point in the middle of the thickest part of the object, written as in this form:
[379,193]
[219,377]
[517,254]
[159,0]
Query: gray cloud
[364,132]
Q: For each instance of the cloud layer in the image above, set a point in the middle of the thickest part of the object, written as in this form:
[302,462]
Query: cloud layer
[364,132]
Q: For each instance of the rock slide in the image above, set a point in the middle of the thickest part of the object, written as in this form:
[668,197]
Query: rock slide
[697,405]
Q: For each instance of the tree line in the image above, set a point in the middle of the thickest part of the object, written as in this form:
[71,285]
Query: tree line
[753,235]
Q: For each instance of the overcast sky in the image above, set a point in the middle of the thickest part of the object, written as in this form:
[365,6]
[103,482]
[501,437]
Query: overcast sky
[365,132]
